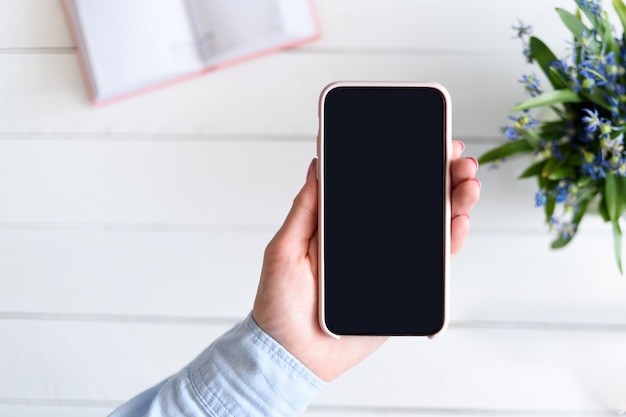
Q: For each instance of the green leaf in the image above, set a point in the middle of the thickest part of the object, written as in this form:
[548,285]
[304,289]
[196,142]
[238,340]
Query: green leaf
[533,170]
[609,40]
[583,181]
[603,210]
[615,196]
[596,73]
[573,23]
[572,160]
[545,183]
[561,172]
[545,57]
[597,22]
[506,150]
[552,129]
[549,167]
[555,170]
[621,192]
[531,137]
[620,188]
[549,207]
[619,7]
[548,98]
[557,79]
[561,241]
[617,244]
[580,210]
[610,196]
[597,97]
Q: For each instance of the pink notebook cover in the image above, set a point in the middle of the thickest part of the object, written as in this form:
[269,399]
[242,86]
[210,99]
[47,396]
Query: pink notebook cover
[97,103]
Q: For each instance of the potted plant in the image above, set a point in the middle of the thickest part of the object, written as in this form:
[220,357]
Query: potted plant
[578,156]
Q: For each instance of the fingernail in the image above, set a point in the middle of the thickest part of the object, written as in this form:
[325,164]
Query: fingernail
[474,160]
[477,181]
[462,145]
[311,167]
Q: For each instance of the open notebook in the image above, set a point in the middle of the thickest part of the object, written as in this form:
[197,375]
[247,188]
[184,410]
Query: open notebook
[129,46]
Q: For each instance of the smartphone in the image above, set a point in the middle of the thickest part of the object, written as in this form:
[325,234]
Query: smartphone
[384,150]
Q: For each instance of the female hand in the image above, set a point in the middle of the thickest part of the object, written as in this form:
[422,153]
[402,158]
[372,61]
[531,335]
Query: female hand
[286,302]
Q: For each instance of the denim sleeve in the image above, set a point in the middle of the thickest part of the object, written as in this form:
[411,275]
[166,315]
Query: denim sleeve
[244,373]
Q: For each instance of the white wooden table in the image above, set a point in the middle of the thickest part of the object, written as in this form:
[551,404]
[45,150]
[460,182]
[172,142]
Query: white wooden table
[132,235]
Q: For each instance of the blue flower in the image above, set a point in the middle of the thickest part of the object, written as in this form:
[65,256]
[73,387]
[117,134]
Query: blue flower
[524,122]
[585,137]
[556,153]
[531,84]
[606,129]
[591,78]
[592,120]
[612,149]
[511,133]
[567,230]
[522,30]
[594,171]
[593,6]
[598,68]
[561,193]
[614,104]
[561,66]
[608,67]
[587,39]
[540,198]
[553,221]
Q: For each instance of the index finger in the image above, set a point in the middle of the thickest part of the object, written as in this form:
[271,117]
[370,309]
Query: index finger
[457,148]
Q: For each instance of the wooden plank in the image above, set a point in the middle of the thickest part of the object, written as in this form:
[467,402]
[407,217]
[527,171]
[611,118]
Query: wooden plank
[90,361]
[497,370]
[33,24]
[130,275]
[465,369]
[423,25]
[396,25]
[391,411]
[167,276]
[151,182]
[28,410]
[502,277]
[277,94]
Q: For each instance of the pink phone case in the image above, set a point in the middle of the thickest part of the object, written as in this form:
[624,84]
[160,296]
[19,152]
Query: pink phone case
[320,176]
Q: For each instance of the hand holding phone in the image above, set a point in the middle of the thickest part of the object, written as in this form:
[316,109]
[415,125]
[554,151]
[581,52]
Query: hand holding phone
[286,304]
[287,297]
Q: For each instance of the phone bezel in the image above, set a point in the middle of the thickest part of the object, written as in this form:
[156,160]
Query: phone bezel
[320,175]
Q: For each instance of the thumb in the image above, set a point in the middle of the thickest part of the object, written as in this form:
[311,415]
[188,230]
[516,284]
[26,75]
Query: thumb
[301,222]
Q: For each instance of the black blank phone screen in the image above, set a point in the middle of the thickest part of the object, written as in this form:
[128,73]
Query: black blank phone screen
[384,210]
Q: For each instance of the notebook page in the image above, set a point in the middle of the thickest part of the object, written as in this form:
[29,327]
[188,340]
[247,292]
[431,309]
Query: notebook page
[299,18]
[132,44]
[224,26]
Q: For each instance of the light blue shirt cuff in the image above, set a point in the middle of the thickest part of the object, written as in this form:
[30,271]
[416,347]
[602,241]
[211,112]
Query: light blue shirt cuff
[243,373]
